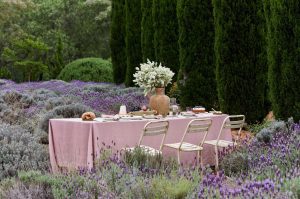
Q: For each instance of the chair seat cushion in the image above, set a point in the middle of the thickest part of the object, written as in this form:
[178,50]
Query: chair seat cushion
[146,149]
[185,146]
[221,143]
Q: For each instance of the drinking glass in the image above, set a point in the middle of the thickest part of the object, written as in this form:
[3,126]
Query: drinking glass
[173,101]
[188,109]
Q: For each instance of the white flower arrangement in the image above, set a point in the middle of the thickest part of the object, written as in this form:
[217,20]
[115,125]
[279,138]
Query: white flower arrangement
[152,75]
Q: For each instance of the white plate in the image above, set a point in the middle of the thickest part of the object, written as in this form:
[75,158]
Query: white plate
[131,118]
[188,114]
[149,117]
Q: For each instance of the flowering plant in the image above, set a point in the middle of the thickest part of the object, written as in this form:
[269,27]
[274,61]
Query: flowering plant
[152,75]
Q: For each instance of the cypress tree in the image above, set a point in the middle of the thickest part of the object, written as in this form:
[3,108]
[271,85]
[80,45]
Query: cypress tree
[147,31]
[196,48]
[133,38]
[166,33]
[283,38]
[59,60]
[240,57]
[117,40]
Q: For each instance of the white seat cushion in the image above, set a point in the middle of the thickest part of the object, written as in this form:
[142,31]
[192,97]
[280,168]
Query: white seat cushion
[185,146]
[221,143]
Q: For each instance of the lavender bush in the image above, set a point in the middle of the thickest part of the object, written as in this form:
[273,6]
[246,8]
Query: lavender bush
[19,150]
[273,172]
[101,97]
[266,166]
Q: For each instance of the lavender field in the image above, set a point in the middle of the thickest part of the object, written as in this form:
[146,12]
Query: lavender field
[264,166]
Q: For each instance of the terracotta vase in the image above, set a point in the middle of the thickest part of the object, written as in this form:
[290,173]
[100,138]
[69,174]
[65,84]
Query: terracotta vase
[160,102]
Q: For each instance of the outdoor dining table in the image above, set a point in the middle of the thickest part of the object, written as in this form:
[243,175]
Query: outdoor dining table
[74,143]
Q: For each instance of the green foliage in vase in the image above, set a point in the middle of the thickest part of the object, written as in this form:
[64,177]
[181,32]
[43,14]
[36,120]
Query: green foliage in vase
[165,25]
[147,31]
[133,38]
[88,69]
[241,58]
[28,56]
[117,40]
[196,46]
[283,37]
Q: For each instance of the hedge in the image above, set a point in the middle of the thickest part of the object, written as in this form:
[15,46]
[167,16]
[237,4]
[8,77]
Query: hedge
[87,69]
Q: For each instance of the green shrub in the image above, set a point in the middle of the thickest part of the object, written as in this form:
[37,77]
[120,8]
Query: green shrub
[87,69]
[17,99]
[27,57]
[64,111]
[5,73]
[177,188]
[255,128]
[12,105]
[49,186]
[20,150]
[265,135]
[138,158]
[293,185]
[235,162]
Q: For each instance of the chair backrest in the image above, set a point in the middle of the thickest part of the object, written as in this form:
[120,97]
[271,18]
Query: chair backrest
[155,128]
[233,122]
[197,126]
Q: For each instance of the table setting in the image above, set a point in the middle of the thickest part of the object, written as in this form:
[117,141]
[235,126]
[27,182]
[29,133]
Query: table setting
[147,114]
[77,142]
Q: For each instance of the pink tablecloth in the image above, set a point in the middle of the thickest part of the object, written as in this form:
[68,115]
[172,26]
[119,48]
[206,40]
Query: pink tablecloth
[76,143]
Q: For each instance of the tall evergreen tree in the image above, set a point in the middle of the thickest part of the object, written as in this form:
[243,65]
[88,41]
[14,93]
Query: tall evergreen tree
[133,38]
[283,38]
[197,80]
[58,61]
[166,33]
[147,31]
[117,40]
[240,57]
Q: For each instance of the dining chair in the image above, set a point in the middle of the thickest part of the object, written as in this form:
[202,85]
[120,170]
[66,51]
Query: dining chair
[153,128]
[194,126]
[230,122]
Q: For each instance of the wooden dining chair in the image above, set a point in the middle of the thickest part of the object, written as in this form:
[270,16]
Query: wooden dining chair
[154,128]
[194,126]
[230,122]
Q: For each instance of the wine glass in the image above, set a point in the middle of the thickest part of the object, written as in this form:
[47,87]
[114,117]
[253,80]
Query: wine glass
[173,101]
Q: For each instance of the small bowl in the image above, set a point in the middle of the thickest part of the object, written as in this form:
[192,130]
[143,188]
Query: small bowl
[198,111]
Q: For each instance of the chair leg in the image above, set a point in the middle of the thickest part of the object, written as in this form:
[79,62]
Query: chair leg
[178,156]
[217,159]
[197,160]
[201,159]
